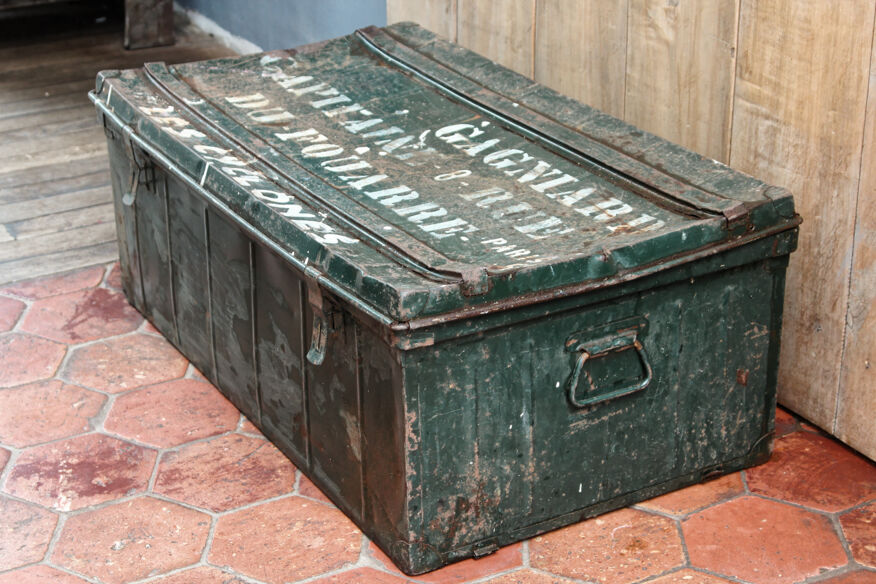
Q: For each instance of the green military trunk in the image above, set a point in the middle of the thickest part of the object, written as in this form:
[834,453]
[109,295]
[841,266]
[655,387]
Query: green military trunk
[470,309]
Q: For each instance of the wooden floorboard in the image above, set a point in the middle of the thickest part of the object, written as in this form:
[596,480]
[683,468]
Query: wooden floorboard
[30,209]
[72,120]
[77,86]
[42,104]
[56,186]
[57,242]
[64,261]
[56,211]
[53,171]
[69,152]
[60,221]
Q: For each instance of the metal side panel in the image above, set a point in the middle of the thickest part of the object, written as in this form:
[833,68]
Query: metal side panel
[383,437]
[189,256]
[156,269]
[126,223]
[279,320]
[334,412]
[518,434]
[231,301]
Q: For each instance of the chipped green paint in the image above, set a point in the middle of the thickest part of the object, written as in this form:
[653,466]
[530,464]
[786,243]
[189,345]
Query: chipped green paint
[469,308]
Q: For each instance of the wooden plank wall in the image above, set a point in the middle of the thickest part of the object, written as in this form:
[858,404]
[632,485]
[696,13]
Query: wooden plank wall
[782,89]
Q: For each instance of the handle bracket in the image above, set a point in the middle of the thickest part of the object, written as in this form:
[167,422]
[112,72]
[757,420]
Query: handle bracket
[325,321]
[625,337]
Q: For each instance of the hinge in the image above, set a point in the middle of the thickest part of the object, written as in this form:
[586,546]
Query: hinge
[475,281]
[737,218]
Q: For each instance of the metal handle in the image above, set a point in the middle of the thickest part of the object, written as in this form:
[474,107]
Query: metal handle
[618,344]
[316,354]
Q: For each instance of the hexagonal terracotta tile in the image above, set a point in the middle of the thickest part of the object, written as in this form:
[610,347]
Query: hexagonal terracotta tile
[125,363]
[247,427]
[114,278]
[859,527]
[200,575]
[696,497]
[172,413]
[26,358]
[82,316]
[528,577]
[855,577]
[10,310]
[306,488]
[506,558]
[362,576]
[131,540]
[80,471]
[25,532]
[39,575]
[620,547]
[148,327]
[688,576]
[225,472]
[56,285]
[45,411]
[285,540]
[785,422]
[815,471]
[762,541]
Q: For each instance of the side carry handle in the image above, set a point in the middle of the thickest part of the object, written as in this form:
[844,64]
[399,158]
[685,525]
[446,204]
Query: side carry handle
[141,168]
[325,319]
[621,341]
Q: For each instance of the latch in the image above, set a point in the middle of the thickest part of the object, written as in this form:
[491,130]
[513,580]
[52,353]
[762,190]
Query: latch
[326,319]
[484,548]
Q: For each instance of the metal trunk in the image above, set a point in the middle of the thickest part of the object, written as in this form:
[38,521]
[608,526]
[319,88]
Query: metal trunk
[468,308]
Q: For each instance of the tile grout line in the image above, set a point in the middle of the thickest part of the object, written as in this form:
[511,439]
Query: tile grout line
[801,506]
[720,575]
[857,506]
[175,571]
[208,542]
[685,553]
[744,476]
[663,574]
[24,311]
[491,575]
[56,536]
[153,476]
[66,570]
[14,453]
[555,575]
[849,568]
[524,554]
[834,519]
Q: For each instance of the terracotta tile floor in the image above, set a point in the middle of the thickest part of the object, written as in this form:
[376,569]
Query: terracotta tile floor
[119,463]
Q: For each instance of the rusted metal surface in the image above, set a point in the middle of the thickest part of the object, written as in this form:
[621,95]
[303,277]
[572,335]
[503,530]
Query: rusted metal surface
[470,309]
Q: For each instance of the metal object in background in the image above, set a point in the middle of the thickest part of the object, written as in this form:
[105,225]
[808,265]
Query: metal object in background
[468,308]
[148,23]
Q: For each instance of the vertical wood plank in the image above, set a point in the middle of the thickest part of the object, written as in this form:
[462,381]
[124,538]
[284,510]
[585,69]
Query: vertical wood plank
[856,403]
[681,62]
[439,16]
[501,30]
[798,117]
[580,50]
